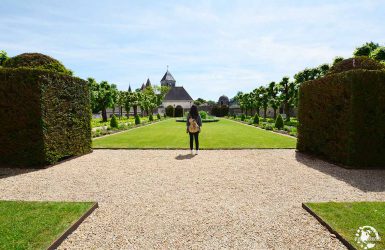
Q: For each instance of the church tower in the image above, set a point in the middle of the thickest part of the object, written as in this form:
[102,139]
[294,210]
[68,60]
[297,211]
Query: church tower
[168,79]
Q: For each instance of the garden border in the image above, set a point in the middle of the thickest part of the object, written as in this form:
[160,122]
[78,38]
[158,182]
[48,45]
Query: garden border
[56,243]
[251,125]
[331,230]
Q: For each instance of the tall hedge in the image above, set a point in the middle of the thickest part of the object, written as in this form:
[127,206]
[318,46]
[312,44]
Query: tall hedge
[342,118]
[44,117]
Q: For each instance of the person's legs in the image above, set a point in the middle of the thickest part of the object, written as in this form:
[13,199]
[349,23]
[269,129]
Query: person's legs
[191,141]
[196,135]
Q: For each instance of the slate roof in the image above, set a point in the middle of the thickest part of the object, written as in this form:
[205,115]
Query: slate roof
[177,94]
[168,77]
[148,83]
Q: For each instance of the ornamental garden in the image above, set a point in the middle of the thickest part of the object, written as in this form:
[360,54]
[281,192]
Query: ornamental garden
[334,113]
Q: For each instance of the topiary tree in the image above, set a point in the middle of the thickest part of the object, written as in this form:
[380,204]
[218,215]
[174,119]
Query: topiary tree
[256,119]
[137,119]
[114,122]
[37,61]
[243,117]
[158,116]
[164,115]
[150,118]
[203,114]
[169,111]
[279,122]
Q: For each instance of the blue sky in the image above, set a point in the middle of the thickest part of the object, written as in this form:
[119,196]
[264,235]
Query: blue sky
[212,47]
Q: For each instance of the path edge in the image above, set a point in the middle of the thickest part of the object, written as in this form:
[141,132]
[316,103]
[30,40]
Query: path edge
[56,243]
[331,230]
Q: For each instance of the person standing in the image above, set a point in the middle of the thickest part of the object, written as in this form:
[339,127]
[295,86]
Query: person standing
[194,126]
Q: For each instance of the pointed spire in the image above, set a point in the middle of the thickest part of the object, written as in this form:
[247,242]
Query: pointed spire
[129,88]
[148,83]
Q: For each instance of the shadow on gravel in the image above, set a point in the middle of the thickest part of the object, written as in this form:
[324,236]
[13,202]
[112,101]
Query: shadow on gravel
[367,180]
[185,157]
[8,172]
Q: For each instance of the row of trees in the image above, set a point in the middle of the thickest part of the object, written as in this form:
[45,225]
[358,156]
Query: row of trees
[285,92]
[104,95]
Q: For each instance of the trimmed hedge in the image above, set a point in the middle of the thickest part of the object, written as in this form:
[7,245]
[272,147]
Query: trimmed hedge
[342,118]
[359,62]
[37,61]
[44,117]
[169,111]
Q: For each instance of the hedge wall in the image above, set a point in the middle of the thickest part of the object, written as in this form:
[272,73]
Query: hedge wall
[44,117]
[342,118]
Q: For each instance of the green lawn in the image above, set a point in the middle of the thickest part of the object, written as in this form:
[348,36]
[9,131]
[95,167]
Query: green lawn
[347,217]
[215,135]
[35,225]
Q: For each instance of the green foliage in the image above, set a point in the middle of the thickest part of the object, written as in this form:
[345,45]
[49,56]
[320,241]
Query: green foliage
[361,62]
[46,117]
[37,61]
[150,118]
[169,111]
[243,117]
[378,54]
[342,118]
[279,122]
[203,114]
[164,115]
[158,116]
[114,122]
[256,119]
[220,110]
[365,49]
[137,119]
[3,57]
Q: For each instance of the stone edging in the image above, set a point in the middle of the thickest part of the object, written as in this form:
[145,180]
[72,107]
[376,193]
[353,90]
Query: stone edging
[56,243]
[331,230]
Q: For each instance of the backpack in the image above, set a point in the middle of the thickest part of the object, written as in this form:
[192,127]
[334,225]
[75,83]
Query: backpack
[193,127]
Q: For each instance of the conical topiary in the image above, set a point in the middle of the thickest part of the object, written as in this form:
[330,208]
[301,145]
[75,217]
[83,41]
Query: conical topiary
[114,122]
[279,122]
[256,119]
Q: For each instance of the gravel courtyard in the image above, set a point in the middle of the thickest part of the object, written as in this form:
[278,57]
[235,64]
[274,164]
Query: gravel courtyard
[219,199]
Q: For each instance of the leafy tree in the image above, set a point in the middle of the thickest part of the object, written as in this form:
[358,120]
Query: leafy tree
[104,98]
[199,101]
[115,96]
[120,102]
[3,57]
[378,54]
[337,59]
[264,99]
[288,93]
[365,49]
[274,99]
[93,88]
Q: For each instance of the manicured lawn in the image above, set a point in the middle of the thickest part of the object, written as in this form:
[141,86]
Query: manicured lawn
[215,135]
[347,217]
[34,225]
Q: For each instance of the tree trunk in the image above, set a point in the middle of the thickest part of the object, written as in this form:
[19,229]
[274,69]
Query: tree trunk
[264,112]
[120,112]
[135,110]
[113,110]
[275,114]
[104,114]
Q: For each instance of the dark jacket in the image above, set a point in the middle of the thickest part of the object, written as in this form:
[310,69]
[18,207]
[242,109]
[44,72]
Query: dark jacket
[198,120]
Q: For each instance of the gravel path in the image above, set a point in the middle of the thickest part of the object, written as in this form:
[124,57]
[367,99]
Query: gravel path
[218,199]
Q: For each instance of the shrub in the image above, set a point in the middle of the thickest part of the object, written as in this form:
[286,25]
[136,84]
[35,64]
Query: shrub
[164,115]
[256,119]
[44,117]
[137,119]
[243,117]
[150,118]
[114,122]
[158,116]
[169,111]
[279,122]
[37,61]
[378,54]
[178,111]
[203,114]
[268,126]
[342,118]
[360,62]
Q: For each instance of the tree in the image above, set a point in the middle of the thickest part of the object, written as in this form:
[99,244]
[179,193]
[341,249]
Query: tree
[135,99]
[264,99]
[274,100]
[3,57]
[93,87]
[120,102]
[115,96]
[337,59]
[378,54]
[288,94]
[365,49]
[104,98]
[199,101]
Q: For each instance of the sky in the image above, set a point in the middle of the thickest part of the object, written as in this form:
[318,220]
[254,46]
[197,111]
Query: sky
[212,47]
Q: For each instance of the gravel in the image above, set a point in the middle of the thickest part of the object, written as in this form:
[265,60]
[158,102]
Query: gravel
[217,199]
